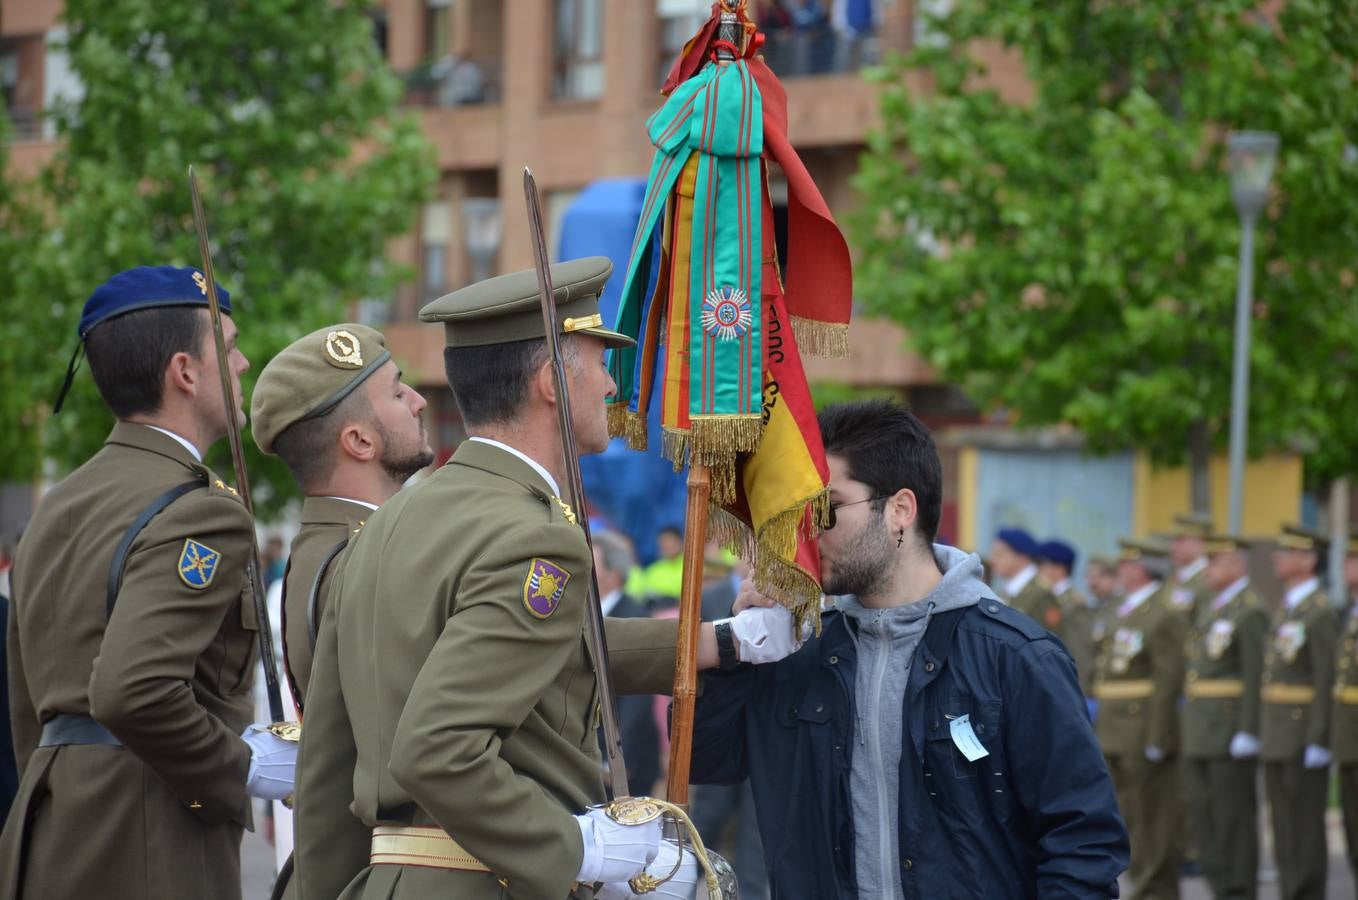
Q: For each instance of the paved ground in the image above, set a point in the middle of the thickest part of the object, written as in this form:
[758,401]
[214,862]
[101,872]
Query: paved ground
[258,864]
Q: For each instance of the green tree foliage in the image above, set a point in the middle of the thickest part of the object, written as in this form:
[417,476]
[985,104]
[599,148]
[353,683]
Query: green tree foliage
[1073,257]
[289,115]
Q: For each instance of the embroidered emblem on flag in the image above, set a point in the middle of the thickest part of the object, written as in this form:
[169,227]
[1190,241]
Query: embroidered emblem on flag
[726,313]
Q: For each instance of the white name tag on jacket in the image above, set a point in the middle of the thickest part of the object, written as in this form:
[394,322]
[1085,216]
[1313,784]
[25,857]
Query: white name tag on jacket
[966,740]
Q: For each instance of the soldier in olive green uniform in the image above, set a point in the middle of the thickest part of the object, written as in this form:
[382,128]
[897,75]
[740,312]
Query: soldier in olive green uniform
[1056,562]
[132,637]
[332,405]
[1297,701]
[450,732]
[1101,576]
[1346,712]
[1188,589]
[1221,722]
[1013,556]
[1138,683]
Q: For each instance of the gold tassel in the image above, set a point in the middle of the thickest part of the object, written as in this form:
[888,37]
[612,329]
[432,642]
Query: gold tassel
[674,446]
[635,431]
[820,338]
[716,437]
[731,533]
[617,420]
[722,478]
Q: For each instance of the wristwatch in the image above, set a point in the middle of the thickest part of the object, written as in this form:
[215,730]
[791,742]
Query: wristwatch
[727,660]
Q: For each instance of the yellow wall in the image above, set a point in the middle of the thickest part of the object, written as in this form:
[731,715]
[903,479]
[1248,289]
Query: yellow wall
[1273,486]
[968,466]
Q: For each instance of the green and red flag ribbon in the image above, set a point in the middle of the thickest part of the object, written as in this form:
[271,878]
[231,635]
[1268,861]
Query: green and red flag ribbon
[719,328]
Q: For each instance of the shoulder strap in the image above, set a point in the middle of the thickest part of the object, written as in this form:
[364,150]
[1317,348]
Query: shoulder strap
[938,636]
[115,571]
[313,598]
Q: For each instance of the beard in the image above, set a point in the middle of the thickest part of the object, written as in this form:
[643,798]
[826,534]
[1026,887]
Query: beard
[401,462]
[861,567]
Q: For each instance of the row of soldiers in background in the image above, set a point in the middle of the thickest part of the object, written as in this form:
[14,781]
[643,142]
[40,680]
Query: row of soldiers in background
[1197,680]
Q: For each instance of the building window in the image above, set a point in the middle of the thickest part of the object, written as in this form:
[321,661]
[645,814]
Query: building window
[577,50]
[438,29]
[435,233]
[679,20]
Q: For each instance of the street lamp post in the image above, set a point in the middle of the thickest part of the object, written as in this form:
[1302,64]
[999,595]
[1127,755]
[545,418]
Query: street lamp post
[1252,155]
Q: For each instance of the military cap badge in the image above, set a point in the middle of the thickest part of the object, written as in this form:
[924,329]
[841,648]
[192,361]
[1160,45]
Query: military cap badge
[544,587]
[197,564]
[342,350]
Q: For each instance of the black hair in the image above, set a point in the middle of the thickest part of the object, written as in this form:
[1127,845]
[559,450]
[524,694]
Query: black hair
[490,383]
[308,446]
[129,353]
[887,448]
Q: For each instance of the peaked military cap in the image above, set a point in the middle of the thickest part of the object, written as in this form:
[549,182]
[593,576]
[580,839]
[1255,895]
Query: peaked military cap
[1133,550]
[1192,525]
[311,376]
[1103,561]
[1020,541]
[1294,537]
[1058,552]
[1214,544]
[506,308]
[145,287]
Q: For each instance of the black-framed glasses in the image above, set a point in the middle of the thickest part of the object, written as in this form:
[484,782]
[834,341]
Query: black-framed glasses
[832,519]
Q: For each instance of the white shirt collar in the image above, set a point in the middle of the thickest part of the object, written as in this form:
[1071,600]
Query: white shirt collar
[610,600]
[1300,592]
[187,445]
[1230,593]
[1138,597]
[371,506]
[1192,569]
[1020,581]
[537,467]
[1061,587]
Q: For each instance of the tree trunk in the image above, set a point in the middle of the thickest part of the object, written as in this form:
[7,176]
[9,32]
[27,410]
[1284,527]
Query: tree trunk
[1200,465]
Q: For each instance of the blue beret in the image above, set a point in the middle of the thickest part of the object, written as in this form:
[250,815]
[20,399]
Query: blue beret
[1059,552]
[1019,541]
[145,287]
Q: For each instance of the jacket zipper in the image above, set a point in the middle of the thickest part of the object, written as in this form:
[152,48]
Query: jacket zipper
[883,807]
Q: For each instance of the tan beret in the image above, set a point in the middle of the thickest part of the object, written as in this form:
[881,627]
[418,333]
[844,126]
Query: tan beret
[311,376]
[507,308]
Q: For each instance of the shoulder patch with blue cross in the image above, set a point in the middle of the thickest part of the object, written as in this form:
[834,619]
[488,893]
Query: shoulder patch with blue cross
[197,564]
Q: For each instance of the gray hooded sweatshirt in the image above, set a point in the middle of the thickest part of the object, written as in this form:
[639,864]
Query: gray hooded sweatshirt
[886,641]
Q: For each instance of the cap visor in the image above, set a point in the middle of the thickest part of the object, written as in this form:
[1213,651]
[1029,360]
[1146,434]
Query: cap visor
[610,338]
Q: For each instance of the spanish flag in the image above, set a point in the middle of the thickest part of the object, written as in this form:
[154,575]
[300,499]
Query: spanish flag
[719,327]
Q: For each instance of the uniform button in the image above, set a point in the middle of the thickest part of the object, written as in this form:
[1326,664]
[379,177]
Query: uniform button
[195,805]
[834,660]
[908,864]
[980,728]
[820,707]
[994,607]
[928,667]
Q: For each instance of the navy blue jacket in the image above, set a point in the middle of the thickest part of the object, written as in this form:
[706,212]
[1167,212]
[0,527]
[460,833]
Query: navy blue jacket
[1035,818]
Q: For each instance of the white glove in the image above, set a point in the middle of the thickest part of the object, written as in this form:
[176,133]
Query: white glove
[613,851]
[1316,757]
[1155,754]
[683,886]
[1244,746]
[273,763]
[765,634]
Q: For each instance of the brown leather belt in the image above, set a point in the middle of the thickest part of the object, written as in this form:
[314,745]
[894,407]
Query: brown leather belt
[419,845]
[1214,689]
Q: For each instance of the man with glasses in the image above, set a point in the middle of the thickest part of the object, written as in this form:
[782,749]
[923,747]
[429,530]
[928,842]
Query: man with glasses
[931,741]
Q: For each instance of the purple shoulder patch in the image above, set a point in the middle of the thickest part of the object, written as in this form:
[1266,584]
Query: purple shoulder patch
[544,587]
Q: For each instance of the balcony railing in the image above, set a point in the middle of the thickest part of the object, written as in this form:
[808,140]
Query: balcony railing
[819,50]
[25,123]
[451,82]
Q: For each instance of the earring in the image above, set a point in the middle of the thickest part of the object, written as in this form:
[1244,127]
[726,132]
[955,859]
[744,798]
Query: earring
[901,539]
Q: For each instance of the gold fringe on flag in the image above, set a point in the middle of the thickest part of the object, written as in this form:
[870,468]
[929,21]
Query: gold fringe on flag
[674,446]
[624,423]
[820,338]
